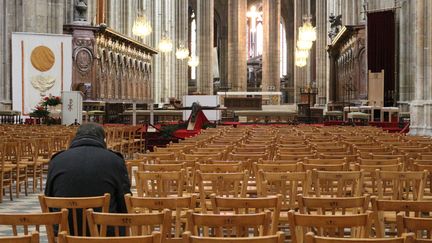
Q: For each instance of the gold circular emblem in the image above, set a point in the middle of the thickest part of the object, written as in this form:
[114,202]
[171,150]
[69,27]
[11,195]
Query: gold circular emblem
[42,58]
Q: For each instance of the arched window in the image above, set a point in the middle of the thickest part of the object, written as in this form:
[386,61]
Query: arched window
[193,43]
[259,41]
[283,52]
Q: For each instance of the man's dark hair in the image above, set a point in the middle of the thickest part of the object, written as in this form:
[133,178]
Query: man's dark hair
[91,129]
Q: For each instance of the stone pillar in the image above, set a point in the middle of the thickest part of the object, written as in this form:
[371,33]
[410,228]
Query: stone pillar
[205,33]
[271,49]
[237,59]
[181,29]
[417,106]
[321,53]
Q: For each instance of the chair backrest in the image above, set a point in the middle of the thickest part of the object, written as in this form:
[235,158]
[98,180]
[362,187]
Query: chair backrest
[323,167]
[422,227]
[289,185]
[154,238]
[337,183]
[219,168]
[333,205]
[401,185]
[76,207]
[391,208]
[311,238]
[33,238]
[49,220]
[221,184]
[278,238]
[131,224]
[160,184]
[239,225]
[162,167]
[249,205]
[179,205]
[329,225]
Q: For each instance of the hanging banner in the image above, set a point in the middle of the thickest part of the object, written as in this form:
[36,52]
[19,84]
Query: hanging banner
[41,66]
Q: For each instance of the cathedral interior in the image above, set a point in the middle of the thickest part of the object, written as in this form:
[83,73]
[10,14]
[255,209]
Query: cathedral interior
[313,57]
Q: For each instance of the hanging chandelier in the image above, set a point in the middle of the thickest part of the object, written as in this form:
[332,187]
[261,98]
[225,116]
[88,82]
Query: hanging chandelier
[304,45]
[300,53]
[193,61]
[300,62]
[141,27]
[307,32]
[182,52]
[166,44]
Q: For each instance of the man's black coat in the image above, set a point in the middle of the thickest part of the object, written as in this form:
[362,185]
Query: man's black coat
[88,169]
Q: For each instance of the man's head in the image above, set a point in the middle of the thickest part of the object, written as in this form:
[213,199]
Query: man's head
[91,129]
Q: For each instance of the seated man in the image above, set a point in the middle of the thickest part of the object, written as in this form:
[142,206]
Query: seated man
[89,169]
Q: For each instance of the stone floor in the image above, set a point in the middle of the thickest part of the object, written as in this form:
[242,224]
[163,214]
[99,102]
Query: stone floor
[25,204]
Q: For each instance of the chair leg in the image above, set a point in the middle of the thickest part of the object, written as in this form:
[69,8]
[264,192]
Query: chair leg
[34,179]
[26,183]
[18,184]
[1,190]
[41,180]
[10,191]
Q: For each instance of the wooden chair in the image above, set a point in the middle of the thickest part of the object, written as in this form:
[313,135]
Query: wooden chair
[369,175]
[12,161]
[289,185]
[154,238]
[329,225]
[385,212]
[419,166]
[129,224]
[29,156]
[229,225]
[160,184]
[5,174]
[222,205]
[421,227]
[337,183]
[33,238]
[221,184]
[131,164]
[278,238]
[76,207]
[49,220]
[397,185]
[178,205]
[311,238]
[333,206]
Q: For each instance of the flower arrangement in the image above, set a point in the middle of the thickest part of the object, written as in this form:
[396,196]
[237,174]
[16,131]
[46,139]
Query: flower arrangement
[51,101]
[40,111]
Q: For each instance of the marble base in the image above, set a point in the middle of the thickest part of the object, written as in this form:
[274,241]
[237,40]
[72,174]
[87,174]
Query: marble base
[421,118]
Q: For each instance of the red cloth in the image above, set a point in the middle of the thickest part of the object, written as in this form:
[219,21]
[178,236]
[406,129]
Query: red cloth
[200,120]
[183,133]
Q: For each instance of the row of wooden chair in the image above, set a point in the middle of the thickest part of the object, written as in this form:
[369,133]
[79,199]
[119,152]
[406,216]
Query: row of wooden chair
[248,216]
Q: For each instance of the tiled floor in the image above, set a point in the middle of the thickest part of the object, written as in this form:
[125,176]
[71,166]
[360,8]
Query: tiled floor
[25,204]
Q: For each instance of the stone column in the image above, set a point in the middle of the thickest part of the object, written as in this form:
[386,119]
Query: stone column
[417,106]
[420,41]
[205,33]
[321,53]
[156,79]
[271,49]
[237,59]
[404,52]
[181,67]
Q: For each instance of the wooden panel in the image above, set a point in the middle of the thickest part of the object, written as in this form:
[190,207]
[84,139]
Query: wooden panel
[376,88]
